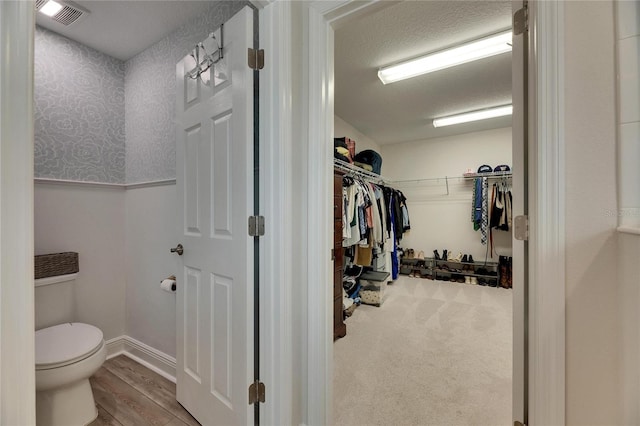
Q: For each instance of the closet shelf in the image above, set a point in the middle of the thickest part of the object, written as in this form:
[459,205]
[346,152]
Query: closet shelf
[376,178]
[360,172]
[429,265]
[490,175]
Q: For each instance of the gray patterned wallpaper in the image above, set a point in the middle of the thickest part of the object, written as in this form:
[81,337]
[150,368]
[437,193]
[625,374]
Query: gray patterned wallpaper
[150,91]
[79,111]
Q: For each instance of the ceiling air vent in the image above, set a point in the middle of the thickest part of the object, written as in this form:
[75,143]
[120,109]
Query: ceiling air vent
[67,14]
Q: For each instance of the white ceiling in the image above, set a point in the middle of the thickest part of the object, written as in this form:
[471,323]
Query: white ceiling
[123,29]
[403,111]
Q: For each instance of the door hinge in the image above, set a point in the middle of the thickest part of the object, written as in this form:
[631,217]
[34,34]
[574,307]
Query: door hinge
[256,226]
[517,423]
[256,59]
[256,392]
[521,228]
[521,20]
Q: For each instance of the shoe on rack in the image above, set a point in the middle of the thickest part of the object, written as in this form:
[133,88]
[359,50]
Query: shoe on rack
[420,255]
[436,255]
[410,253]
[474,281]
[464,259]
[470,259]
[458,258]
[444,254]
[504,279]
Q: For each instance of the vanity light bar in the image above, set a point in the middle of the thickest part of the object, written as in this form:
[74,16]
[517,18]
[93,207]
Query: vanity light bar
[479,49]
[473,116]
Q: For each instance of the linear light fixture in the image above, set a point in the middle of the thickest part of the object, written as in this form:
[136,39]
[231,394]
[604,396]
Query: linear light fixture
[51,7]
[466,117]
[483,48]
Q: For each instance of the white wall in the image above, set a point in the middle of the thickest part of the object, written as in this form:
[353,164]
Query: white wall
[123,240]
[341,128]
[90,221]
[592,277]
[628,41]
[150,233]
[628,48]
[629,301]
[440,221]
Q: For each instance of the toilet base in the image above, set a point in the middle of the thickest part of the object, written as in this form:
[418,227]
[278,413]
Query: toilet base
[71,405]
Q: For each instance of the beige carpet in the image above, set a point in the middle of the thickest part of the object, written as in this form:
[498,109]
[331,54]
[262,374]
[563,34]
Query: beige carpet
[434,353]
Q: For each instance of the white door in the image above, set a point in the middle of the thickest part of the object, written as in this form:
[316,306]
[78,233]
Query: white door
[215,198]
[520,193]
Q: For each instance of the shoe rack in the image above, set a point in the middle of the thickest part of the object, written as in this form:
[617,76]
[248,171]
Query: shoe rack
[484,273]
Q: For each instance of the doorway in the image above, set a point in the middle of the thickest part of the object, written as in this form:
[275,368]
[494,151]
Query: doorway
[438,348]
[544,381]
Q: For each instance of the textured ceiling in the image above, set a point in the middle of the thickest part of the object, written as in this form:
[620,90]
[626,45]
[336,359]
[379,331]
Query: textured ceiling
[123,29]
[403,111]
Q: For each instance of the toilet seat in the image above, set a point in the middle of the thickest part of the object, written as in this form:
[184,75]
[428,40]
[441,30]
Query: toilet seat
[66,344]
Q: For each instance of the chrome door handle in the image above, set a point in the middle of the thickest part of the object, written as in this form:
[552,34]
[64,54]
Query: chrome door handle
[178,249]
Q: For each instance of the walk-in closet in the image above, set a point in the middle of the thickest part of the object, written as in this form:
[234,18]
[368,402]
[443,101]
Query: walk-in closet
[423,215]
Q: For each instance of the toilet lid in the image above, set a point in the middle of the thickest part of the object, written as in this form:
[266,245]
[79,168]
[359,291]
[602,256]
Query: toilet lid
[65,343]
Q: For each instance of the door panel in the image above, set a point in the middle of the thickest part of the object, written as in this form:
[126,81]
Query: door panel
[214,155]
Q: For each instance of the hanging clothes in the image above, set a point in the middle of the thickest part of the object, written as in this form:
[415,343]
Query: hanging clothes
[476,200]
[374,218]
[484,225]
[499,210]
[481,206]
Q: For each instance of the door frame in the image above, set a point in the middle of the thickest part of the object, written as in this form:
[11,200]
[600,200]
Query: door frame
[546,255]
[17,329]
[546,320]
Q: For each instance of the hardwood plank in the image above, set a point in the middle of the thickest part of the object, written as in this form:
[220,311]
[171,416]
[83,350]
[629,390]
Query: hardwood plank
[157,388]
[126,404]
[177,422]
[104,418]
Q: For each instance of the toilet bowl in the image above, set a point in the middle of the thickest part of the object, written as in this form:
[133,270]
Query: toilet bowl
[66,356]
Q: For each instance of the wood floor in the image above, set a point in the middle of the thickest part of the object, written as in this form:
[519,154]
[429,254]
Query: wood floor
[128,393]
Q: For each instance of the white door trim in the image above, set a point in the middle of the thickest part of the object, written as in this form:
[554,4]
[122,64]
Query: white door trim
[547,215]
[276,253]
[17,330]
[546,205]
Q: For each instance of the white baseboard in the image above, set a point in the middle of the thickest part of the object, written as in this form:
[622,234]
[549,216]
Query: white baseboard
[144,354]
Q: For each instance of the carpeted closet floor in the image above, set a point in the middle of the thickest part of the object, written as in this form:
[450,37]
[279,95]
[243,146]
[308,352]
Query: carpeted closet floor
[434,353]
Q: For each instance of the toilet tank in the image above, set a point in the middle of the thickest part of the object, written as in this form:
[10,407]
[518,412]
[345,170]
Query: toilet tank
[54,300]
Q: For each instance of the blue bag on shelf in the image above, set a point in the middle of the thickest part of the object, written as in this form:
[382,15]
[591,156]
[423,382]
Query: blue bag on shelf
[369,156]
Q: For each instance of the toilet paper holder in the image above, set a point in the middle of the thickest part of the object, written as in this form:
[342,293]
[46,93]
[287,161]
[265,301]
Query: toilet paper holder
[172,278]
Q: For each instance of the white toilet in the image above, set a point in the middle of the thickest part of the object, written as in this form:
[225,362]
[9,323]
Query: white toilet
[67,354]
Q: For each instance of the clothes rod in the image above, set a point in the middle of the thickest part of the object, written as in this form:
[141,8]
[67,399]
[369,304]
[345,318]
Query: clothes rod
[498,175]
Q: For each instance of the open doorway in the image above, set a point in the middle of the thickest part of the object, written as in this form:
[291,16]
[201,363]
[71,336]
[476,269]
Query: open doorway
[437,346]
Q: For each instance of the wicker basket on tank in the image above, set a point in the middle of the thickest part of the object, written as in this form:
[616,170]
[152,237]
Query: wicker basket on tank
[54,264]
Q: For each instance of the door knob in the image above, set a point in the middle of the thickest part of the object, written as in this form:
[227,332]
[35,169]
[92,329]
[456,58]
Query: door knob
[178,249]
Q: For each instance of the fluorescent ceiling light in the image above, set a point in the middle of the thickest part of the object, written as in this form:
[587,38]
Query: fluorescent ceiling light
[483,48]
[51,8]
[473,116]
